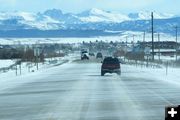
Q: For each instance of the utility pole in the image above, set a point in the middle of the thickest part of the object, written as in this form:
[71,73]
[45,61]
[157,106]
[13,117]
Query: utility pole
[37,66]
[152,25]
[37,59]
[20,67]
[126,41]
[36,53]
[126,46]
[176,27]
[133,40]
[16,70]
[159,54]
[133,37]
[144,36]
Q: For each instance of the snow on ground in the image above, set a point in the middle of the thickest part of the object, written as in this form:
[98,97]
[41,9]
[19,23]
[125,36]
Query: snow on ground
[138,36]
[6,63]
[28,67]
[121,38]
[159,74]
[166,58]
[77,91]
[172,76]
[9,78]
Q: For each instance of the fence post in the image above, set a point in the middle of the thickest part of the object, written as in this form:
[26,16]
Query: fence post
[16,70]
[167,68]
[20,68]
[147,61]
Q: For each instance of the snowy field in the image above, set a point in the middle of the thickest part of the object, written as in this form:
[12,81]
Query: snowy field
[121,38]
[6,63]
[28,69]
[166,58]
[159,74]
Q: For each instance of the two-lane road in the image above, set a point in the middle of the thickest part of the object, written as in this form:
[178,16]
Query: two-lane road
[76,91]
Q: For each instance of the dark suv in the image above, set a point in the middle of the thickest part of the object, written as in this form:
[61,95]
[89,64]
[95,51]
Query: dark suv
[110,65]
[99,55]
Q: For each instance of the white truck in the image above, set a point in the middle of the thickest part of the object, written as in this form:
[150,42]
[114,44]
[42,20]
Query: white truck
[84,54]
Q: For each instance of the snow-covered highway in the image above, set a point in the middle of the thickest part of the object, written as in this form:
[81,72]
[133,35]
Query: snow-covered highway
[76,91]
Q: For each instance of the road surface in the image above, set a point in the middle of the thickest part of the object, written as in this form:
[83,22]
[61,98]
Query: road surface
[76,91]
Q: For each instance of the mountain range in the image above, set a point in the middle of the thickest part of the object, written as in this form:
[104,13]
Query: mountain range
[89,20]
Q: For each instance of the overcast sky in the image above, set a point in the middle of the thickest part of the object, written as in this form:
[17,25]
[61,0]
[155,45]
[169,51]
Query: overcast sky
[75,6]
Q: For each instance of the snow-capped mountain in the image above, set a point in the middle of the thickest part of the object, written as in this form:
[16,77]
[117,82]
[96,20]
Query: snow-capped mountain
[145,15]
[97,15]
[27,20]
[93,19]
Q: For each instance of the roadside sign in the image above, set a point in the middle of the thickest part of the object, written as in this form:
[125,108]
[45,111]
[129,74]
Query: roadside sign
[36,52]
[147,50]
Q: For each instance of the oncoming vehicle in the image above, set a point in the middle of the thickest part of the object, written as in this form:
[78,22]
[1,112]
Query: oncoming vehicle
[110,65]
[99,55]
[84,55]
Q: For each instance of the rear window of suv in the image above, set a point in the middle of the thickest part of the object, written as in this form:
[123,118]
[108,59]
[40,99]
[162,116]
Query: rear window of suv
[111,61]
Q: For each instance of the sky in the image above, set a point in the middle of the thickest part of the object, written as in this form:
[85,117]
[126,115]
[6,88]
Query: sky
[76,6]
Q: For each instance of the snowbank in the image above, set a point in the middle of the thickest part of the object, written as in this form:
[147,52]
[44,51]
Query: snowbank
[6,63]
[170,76]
